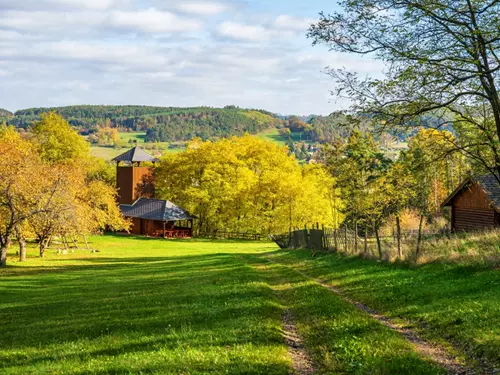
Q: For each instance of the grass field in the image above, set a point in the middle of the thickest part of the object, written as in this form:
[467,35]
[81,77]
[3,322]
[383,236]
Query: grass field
[149,306]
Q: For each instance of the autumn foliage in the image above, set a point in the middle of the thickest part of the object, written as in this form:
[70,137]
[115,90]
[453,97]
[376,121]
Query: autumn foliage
[49,186]
[247,185]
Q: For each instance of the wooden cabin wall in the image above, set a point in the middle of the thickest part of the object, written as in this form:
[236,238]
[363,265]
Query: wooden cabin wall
[135,227]
[145,227]
[471,209]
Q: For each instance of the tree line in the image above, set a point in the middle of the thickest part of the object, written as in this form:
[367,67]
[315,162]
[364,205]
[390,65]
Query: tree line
[51,187]
[162,124]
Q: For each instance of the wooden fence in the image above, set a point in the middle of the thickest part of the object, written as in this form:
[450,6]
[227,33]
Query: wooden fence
[234,236]
[344,240]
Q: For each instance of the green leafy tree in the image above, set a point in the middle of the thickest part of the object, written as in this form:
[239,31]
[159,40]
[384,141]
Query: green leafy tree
[441,59]
[357,164]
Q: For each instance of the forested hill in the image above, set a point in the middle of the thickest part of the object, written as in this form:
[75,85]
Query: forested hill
[5,115]
[166,124]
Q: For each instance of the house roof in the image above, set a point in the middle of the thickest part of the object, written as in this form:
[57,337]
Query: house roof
[488,183]
[135,155]
[155,209]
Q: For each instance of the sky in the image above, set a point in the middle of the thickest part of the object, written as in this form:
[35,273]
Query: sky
[253,54]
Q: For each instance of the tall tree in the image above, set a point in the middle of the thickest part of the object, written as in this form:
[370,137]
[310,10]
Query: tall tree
[441,57]
[357,164]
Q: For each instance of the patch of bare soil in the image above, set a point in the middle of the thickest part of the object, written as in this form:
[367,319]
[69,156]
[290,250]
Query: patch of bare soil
[301,363]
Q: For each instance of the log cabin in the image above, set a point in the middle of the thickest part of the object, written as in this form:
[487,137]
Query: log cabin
[475,204]
[136,197]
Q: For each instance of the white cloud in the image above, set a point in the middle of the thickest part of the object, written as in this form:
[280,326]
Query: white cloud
[61,4]
[43,22]
[86,4]
[253,33]
[293,23]
[153,21]
[283,26]
[162,52]
[203,8]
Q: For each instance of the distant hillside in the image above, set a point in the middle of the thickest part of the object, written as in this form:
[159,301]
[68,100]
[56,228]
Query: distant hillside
[163,124]
[5,115]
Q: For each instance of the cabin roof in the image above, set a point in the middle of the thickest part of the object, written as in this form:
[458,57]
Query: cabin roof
[155,209]
[135,155]
[488,183]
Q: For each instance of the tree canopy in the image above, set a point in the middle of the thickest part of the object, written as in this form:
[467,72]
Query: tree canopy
[246,184]
[441,57]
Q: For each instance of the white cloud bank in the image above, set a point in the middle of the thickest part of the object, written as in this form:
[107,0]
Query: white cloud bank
[171,53]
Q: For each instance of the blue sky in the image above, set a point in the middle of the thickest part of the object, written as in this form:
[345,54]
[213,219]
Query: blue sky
[169,53]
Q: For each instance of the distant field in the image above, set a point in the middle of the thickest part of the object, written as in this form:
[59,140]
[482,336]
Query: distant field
[134,136]
[191,307]
[108,153]
[272,135]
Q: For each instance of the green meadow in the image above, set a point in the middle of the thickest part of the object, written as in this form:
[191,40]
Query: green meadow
[127,139]
[151,306]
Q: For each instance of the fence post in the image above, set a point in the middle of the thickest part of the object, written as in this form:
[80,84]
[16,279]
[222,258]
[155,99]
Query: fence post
[366,240]
[324,245]
[335,243]
[346,248]
[356,237]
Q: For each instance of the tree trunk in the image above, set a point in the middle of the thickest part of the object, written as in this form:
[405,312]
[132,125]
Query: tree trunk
[379,245]
[43,246]
[398,235]
[419,239]
[86,243]
[22,245]
[3,256]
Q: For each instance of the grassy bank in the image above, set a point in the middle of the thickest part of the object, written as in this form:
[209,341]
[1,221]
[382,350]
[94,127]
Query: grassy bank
[448,303]
[148,306]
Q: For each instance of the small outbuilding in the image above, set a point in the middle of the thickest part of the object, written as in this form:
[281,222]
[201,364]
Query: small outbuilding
[136,196]
[475,204]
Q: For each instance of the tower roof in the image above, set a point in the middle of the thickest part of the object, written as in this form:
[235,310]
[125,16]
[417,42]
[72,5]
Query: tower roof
[135,155]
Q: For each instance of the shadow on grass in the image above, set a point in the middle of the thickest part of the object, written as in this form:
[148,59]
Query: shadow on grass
[209,313]
[188,306]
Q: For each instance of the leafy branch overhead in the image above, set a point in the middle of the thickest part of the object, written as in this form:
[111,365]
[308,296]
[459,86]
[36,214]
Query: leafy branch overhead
[440,58]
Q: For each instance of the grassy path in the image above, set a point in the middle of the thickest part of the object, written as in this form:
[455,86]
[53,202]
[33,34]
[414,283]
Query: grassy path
[455,307]
[186,307]
[339,338]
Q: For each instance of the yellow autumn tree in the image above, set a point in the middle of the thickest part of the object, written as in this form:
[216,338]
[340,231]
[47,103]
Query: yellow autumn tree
[50,187]
[56,141]
[245,184]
